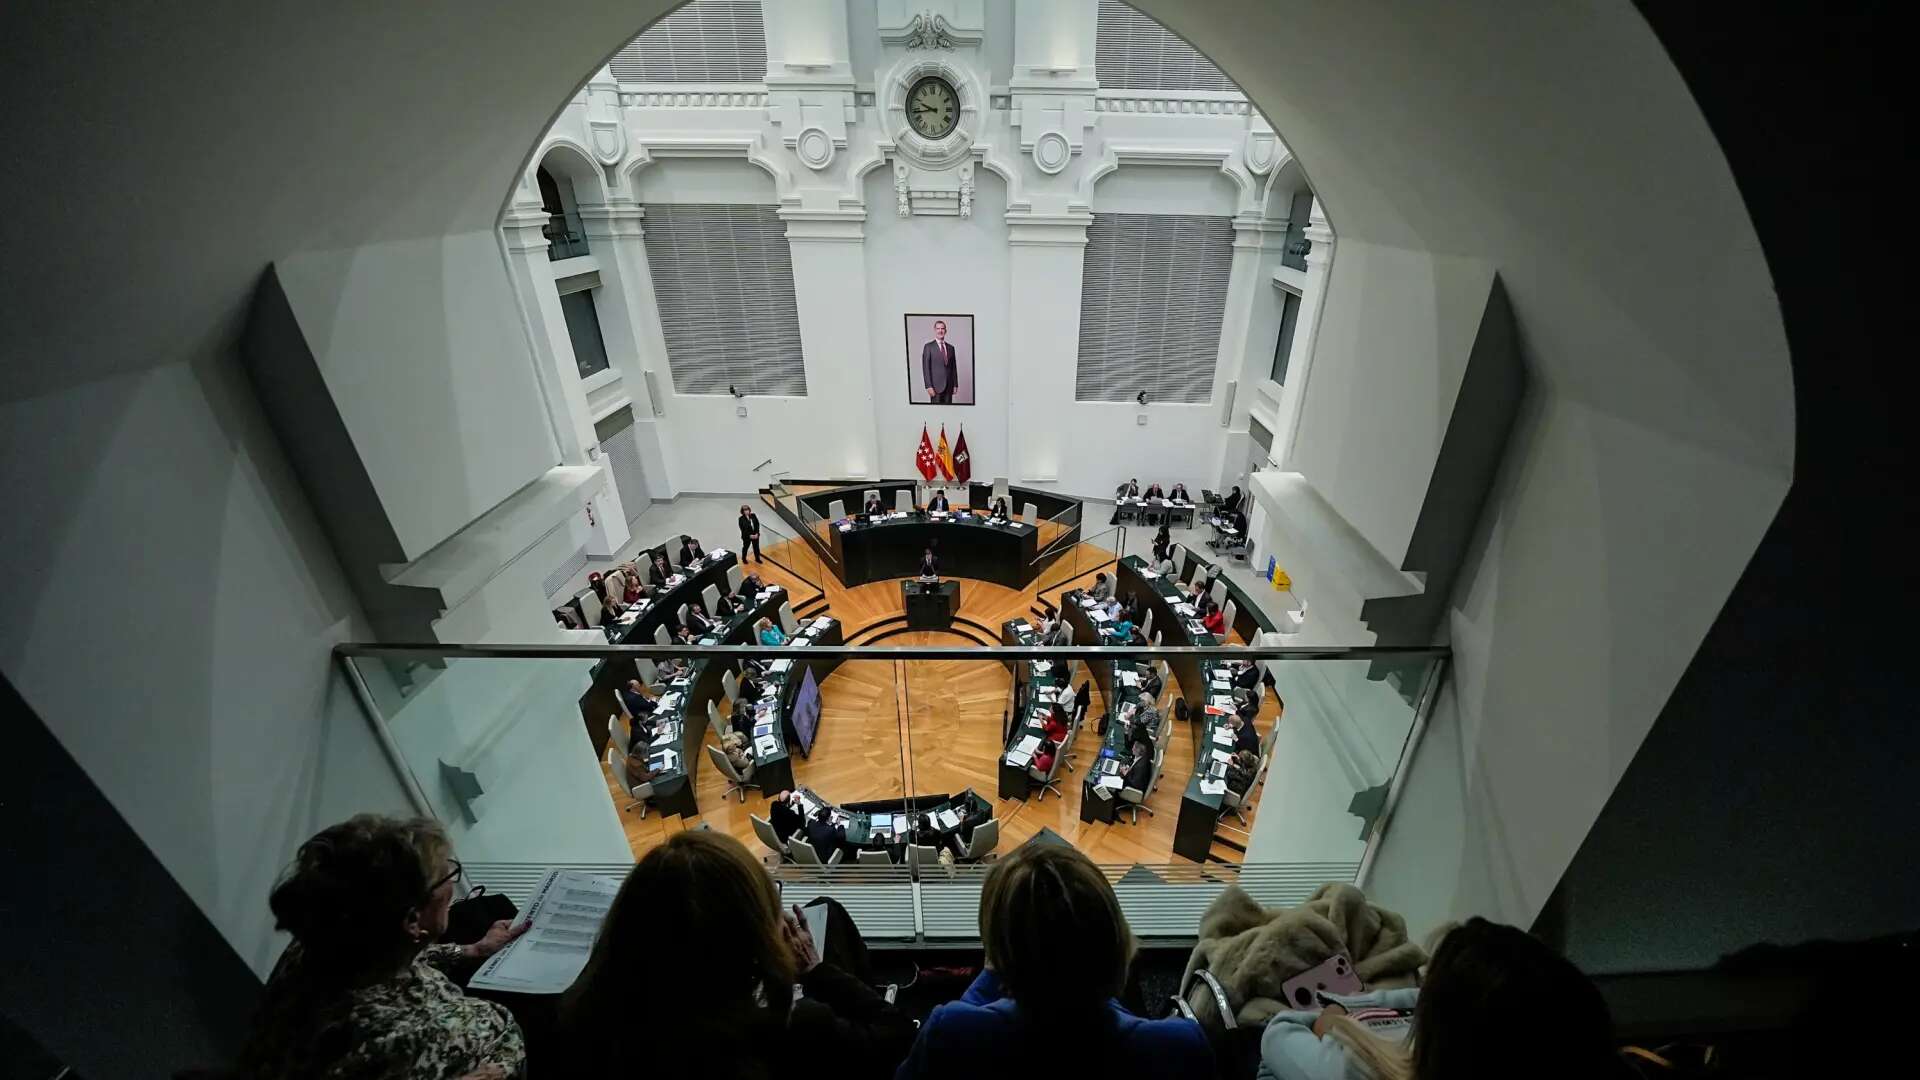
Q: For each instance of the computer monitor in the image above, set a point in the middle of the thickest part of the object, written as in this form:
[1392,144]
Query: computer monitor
[806,713]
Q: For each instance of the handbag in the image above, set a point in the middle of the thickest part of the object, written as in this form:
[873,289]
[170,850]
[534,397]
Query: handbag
[469,919]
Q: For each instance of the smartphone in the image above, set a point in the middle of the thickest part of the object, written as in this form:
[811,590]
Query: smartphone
[1334,976]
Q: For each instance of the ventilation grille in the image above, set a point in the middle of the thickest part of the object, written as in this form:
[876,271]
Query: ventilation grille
[723,276]
[717,41]
[1151,302]
[1133,52]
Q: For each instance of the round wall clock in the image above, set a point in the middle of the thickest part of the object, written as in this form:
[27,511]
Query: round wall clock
[933,108]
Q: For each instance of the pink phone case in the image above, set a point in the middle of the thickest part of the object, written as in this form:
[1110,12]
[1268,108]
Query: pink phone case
[1335,976]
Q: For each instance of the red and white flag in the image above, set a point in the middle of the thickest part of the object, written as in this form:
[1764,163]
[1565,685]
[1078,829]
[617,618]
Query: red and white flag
[962,461]
[925,460]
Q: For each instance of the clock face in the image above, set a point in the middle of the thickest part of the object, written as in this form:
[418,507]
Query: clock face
[933,109]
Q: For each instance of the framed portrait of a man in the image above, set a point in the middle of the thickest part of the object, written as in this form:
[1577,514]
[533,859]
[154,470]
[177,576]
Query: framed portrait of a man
[940,359]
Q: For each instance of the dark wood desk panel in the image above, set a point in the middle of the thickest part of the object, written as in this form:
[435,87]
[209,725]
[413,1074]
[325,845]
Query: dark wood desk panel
[968,548]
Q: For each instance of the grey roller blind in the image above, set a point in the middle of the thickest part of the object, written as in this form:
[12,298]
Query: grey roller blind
[706,41]
[1133,52]
[1152,296]
[723,276]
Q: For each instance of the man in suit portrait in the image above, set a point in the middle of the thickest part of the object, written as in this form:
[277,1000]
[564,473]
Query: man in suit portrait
[940,366]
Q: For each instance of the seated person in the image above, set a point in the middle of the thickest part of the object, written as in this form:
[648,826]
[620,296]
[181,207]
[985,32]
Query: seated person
[824,835]
[1058,633]
[1245,735]
[1247,677]
[684,636]
[1151,684]
[690,551]
[634,590]
[1162,561]
[637,769]
[668,670]
[1102,587]
[734,959]
[1043,757]
[1154,492]
[1241,769]
[735,747]
[1141,730]
[1121,630]
[637,704]
[659,569]
[1140,769]
[1056,726]
[998,508]
[698,620]
[750,588]
[926,835]
[742,719]
[768,633]
[1130,489]
[1130,607]
[1487,985]
[939,501]
[1214,620]
[1245,706]
[1232,502]
[598,583]
[1179,494]
[873,505]
[783,813]
[729,606]
[752,686]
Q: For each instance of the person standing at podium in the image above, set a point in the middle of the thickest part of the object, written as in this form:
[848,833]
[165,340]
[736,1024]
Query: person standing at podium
[929,563]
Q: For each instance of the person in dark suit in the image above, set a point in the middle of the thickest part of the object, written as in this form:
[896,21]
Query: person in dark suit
[728,607]
[1245,735]
[749,534]
[690,550]
[1247,677]
[939,501]
[929,564]
[750,587]
[637,704]
[1151,685]
[659,569]
[1154,492]
[1130,489]
[824,835]
[998,508]
[873,505]
[698,620]
[1179,493]
[1232,502]
[1140,771]
[742,720]
[752,685]
[783,816]
[939,366]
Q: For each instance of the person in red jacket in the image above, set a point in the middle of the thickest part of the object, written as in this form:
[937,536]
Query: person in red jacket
[1057,725]
[1214,620]
[1043,758]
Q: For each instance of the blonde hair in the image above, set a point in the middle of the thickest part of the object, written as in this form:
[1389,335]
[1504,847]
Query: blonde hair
[1383,1060]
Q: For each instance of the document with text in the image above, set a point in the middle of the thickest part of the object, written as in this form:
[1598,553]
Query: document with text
[564,918]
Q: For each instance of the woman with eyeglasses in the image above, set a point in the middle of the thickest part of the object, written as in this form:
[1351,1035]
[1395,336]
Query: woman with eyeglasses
[363,990]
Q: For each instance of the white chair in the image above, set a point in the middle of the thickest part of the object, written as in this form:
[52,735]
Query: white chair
[1160,668]
[1182,559]
[1001,489]
[736,780]
[681,613]
[639,794]
[1218,591]
[617,736]
[711,596]
[788,624]
[868,496]
[868,857]
[903,499]
[763,829]
[1227,611]
[836,509]
[590,607]
[1146,625]
[716,722]
[1155,637]
[660,635]
[735,576]
[1231,802]
[1049,780]
[921,855]
[986,837]
[620,703]
[730,685]
[804,854]
[647,669]
[1030,511]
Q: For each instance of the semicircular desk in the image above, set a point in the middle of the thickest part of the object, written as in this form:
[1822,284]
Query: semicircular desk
[968,545]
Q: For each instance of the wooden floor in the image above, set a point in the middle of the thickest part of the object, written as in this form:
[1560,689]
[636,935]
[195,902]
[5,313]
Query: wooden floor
[890,727]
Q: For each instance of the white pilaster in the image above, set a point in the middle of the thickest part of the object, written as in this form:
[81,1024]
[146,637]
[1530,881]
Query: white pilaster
[830,289]
[629,322]
[1240,355]
[1306,329]
[1045,259]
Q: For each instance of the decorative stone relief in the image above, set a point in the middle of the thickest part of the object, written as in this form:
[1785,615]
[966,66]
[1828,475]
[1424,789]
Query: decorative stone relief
[930,31]
[1051,152]
[902,192]
[966,190]
[814,148]
[1263,151]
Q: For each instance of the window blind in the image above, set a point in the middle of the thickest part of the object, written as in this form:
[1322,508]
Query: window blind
[1152,297]
[1134,52]
[707,41]
[723,277]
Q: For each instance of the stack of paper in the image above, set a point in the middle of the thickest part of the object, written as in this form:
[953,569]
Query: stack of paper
[948,818]
[822,622]
[1018,758]
[1222,684]
[1129,678]
[1222,756]
[1213,787]
[1029,744]
[779,667]
[1223,737]
[767,746]
[1112,780]
[1098,615]
[563,919]
[717,553]
[667,701]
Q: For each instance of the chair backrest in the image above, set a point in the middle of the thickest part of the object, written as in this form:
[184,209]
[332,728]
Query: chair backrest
[1160,669]
[836,510]
[660,635]
[788,622]
[735,576]
[711,596]
[1001,489]
[1181,560]
[1227,611]
[619,770]
[867,496]
[986,837]
[589,606]
[1146,625]
[730,685]
[1156,635]
[720,762]
[802,851]
[867,857]
[1030,511]
[647,668]
[1133,795]
[617,737]
[1219,592]
[922,855]
[714,721]
[681,613]
[1066,631]
[903,499]
[763,829]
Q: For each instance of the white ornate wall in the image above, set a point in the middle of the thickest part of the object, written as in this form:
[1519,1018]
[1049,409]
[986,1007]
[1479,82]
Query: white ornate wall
[991,221]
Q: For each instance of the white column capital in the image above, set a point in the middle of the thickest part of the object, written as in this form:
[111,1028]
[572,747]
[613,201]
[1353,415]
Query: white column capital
[1048,230]
[847,226]
[612,221]
[1250,232]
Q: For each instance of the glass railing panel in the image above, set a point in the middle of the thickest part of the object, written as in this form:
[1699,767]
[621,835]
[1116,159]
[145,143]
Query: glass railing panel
[796,558]
[817,526]
[1086,557]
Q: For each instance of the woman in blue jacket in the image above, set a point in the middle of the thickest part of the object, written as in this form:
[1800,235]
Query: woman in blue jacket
[1057,952]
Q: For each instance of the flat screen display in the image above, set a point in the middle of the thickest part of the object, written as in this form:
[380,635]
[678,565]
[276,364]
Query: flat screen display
[806,713]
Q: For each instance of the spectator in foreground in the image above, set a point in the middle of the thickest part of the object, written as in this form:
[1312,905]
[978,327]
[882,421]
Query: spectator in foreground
[363,991]
[1057,954]
[1496,1003]
[701,907]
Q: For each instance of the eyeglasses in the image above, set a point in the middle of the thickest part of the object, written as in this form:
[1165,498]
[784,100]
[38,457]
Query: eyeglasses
[451,875]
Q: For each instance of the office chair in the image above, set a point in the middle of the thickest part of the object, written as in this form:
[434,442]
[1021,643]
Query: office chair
[1231,801]
[639,794]
[870,493]
[1031,512]
[1156,637]
[903,499]
[716,722]
[730,686]
[866,857]
[986,837]
[763,829]
[1134,800]
[1049,780]
[1146,626]
[711,597]
[788,623]
[1227,611]
[660,635]
[836,509]
[618,736]
[590,606]
[736,780]
[735,576]
[1218,590]
[804,854]
[681,613]
[1001,489]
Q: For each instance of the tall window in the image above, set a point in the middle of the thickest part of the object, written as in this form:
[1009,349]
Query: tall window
[1295,253]
[1152,298]
[723,276]
[717,41]
[583,329]
[1131,51]
[1289,315]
